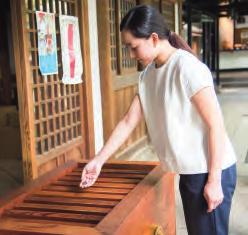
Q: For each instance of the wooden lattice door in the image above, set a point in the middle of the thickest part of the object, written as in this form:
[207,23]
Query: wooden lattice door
[56,117]
[167,8]
[121,63]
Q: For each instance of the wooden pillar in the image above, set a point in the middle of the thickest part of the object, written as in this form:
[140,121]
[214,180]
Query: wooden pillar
[213,45]
[86,107]
[118,37]
[105,68]
[204,42]
[180,16]
[189,31]
[208,43]
[234,27]
[217,51]
[23,77]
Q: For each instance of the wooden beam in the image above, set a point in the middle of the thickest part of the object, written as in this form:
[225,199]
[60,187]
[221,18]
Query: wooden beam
[217,52]
[87,117]
[180,16]
[24,88]
[105,68]
[118,36]
[44,158]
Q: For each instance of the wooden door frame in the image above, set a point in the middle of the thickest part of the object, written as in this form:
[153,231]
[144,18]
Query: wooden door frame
[25,100]
[88,113]
[24,89]
[108,104]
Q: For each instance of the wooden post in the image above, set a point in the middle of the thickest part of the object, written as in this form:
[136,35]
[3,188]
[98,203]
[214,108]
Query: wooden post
[180,13]
[118,37]
[87,117]
[105,68]
[23,79]
[217,51]
[189,33]
[204,42]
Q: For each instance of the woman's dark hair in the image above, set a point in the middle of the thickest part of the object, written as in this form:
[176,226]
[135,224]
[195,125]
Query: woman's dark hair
[143,20]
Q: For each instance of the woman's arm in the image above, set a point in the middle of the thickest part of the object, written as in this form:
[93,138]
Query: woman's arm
[122,130]
[207,106]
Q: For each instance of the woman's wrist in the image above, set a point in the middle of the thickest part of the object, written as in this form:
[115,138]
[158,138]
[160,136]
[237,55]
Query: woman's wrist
[100,159]
[214,176]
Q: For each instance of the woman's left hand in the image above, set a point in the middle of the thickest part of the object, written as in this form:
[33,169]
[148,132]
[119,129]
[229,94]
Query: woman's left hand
[213,194]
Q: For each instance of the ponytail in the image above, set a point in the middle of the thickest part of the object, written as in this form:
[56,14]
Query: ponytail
[178,42]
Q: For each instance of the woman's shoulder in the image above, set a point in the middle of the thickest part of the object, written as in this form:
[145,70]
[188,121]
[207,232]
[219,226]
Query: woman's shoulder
[186,57]
[189,62]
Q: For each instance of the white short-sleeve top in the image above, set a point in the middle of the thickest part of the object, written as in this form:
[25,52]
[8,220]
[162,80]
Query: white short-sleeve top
[177,131]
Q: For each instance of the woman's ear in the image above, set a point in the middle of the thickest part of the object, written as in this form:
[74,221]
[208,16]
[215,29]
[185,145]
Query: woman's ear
[155,38]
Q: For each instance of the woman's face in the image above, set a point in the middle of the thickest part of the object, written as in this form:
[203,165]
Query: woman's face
[141,49]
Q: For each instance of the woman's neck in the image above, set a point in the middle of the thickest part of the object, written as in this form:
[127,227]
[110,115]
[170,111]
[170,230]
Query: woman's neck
[165,51]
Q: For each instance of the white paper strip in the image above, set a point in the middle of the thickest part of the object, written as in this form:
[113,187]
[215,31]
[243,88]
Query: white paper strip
[71,50]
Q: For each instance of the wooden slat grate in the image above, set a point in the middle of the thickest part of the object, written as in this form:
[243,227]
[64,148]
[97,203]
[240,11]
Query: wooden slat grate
[56,106]
[63,202]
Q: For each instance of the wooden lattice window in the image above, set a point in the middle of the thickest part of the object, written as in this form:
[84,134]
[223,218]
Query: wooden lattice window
[57,116]
[168,11]
[121,62]
[127,63]
[156,4]
[113,36]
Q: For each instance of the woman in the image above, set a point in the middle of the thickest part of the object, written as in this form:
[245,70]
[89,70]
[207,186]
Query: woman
[177,99]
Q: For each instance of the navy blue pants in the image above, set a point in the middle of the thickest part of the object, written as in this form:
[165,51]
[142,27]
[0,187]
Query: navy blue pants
[198,221]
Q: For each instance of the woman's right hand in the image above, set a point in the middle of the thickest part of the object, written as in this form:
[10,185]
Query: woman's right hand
[90,173]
